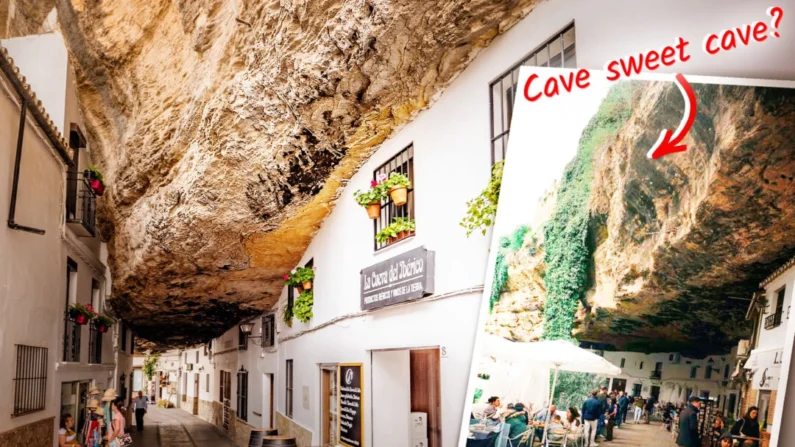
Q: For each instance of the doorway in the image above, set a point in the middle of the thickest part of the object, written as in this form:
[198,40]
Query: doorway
[196,393]
[619,385]
[267,401]
[426,390]
[636,389]
[226,398]
[328,405]
[655,392]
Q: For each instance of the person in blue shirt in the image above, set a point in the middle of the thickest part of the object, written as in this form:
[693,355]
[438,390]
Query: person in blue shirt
[611,414]
[623,404]
[591,412]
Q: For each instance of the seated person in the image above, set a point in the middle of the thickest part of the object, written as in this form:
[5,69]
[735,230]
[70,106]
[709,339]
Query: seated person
[518,420]
[541,417]
[492,411]
[555,428]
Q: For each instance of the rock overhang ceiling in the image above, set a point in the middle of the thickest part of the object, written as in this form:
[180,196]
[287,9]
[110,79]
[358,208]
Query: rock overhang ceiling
[226,131]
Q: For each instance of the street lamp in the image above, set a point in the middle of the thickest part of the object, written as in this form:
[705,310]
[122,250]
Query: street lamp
[246,329]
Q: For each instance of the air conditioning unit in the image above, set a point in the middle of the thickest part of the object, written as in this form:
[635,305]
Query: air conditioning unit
[189,367]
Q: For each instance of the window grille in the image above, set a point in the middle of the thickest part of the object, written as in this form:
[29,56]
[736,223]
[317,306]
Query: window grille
[123,331]
[30,380]
[558,51]
[288,388]
[242,394]
[402,163]
[71,339]
[268,331]
[94,344]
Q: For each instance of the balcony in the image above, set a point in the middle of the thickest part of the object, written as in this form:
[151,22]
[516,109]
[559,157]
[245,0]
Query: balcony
[81,206]
[774,320]
[71,340]
[656,375]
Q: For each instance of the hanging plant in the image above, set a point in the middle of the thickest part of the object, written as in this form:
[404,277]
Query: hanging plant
[287,315]
[95,180]
[103,323]
[303,306]
[400,228]
[398,185]
[304,276]
[82,313]
[371,199]
[482,209]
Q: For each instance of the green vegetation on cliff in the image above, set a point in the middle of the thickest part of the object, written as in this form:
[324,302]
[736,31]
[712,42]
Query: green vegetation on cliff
[508,244]
[566,253]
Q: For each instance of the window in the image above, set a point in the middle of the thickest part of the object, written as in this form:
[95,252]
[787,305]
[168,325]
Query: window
[185,385]
[774,320]
[708,372]
[670,357]
[197,356]
[132,343]
[288,388]
[94,344]
[242,394]
[641,365]
[71,330]
[123,331]
[636,389]
[402,163]
[268,330]
[558,51]
[693,372]
[726,372]
[207,384]
[30,381]
[242,340]
[622,362]
[96,302]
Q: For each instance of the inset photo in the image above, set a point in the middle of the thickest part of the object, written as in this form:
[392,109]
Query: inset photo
[643,266]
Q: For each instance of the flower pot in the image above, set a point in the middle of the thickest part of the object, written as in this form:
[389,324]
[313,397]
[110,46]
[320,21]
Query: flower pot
[102,329]
[81,319]
[299,289]
[398,195]
[374,210]
[97,186]
[308,285]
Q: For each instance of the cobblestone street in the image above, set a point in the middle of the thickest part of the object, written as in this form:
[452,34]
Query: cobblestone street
[177,428]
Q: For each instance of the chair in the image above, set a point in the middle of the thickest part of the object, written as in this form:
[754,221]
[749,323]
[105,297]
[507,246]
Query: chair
[561,432]
[522,439]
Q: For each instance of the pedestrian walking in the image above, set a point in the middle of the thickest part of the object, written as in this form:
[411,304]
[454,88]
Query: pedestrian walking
[140,405]
[591,411]
[116,428]
[640,403]
[688,424]
[612,413]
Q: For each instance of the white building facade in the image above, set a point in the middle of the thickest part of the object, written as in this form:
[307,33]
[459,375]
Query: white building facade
[415,355]
[50,253]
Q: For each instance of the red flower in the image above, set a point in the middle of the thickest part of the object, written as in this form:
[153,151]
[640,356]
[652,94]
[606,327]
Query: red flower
[286,277]
[373,183]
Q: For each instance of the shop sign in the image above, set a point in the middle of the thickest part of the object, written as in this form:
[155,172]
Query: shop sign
[350,430]
[403,278]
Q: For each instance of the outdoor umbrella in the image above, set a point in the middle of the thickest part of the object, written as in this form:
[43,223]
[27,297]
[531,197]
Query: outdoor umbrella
[564,355]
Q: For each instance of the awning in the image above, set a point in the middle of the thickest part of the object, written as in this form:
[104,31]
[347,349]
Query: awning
[761,358]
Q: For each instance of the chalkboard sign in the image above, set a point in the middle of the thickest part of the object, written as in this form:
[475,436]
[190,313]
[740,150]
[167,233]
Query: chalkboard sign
[405,277]
[350,430]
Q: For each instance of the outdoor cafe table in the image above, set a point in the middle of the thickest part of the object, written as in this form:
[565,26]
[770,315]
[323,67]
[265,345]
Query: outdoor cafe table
[747,441]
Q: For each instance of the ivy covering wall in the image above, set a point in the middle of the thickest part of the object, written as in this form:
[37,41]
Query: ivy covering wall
[507,245]
[566,252]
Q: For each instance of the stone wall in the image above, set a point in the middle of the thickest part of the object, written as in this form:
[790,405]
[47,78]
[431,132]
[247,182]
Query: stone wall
[242,433]
[287,427]
[37,434]
[206,411]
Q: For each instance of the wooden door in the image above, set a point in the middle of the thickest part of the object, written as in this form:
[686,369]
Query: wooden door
[196,393]
[226,396]
[426,390]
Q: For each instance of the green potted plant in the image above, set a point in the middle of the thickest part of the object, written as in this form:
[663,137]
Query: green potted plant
[287,315]
[103,323]
[302,309]
[371,199]
[82,313]
[95,180]
[398,185]
[400,228]
[304,276]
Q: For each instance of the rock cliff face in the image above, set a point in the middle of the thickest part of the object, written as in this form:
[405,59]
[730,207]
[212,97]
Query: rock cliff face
[226,130]
[678,245]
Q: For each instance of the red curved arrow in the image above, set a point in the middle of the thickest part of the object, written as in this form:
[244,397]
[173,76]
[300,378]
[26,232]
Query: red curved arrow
[668,143]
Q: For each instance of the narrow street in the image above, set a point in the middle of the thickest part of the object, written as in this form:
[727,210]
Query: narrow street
[640,435]
[176,428]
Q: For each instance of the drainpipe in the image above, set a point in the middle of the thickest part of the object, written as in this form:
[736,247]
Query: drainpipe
[15,186]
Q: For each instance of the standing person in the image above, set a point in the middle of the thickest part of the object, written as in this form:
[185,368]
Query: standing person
[611,414]
[117,421]
[591,410]
[600,426]
[688,424]
[66,433]
[650,402]
[748,426]
[141,405]
[639,404]
[623,401]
